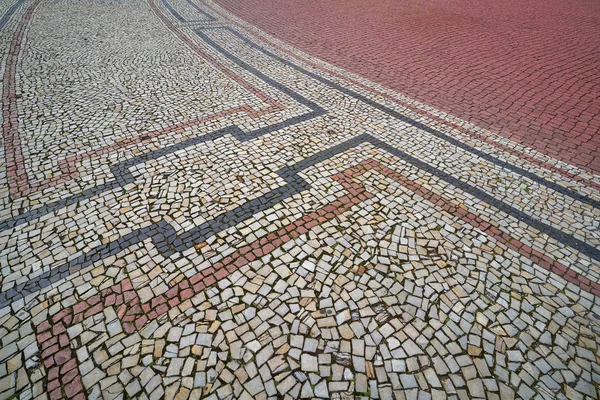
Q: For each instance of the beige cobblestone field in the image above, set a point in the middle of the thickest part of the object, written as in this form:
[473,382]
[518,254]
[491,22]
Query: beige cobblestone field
[190,208]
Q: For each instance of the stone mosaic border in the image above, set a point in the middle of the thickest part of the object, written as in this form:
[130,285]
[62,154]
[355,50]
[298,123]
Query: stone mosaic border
[18,180]
[64,380]
[491,139]
[164,235]
[173,11]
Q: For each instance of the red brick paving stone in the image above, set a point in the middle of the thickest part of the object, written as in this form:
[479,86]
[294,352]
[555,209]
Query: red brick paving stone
[529,71]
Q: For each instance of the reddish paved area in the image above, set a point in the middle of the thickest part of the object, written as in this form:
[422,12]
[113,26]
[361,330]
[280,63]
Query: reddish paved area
[527,70]
[185,214]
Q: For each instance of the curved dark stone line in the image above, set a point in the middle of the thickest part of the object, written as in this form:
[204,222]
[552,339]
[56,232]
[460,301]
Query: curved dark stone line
[10,12]
[168,242]
[168,6]
[121,170]
[166,239]
[421,126]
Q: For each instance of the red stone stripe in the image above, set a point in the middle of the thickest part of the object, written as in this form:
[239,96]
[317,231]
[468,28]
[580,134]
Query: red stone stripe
[65,382]
[233,76]
[10,128]
[18,180]
[59,357]
[474,135]
[505,238]
[471,59]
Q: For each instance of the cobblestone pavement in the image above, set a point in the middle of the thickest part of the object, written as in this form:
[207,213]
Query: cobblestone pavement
[528,70]
[191,208]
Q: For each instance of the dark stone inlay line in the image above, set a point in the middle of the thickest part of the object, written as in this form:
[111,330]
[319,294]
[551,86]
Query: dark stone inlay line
[419,125]
[166,239]
[10,12]
[178,16]
[121,170]
[168,242]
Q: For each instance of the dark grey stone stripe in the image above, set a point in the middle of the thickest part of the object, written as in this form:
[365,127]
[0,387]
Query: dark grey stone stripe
[10,12]
[168,241]
[121,170]
[201,11]
[178,16]
[419,125]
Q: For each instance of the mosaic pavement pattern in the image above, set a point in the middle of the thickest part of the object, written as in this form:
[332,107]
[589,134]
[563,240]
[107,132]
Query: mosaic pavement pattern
[527,70]
[190,208]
